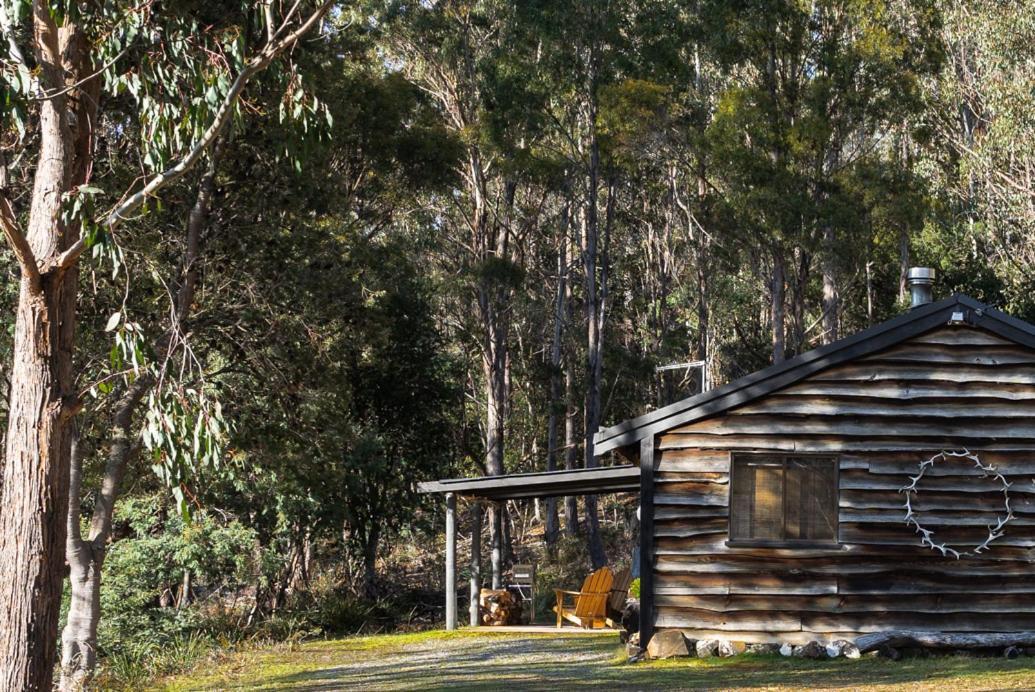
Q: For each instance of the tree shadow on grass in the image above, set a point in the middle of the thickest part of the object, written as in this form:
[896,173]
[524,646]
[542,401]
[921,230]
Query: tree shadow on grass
[523,662]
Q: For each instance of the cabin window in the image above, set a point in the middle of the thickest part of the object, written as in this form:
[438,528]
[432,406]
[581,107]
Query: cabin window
[783,499]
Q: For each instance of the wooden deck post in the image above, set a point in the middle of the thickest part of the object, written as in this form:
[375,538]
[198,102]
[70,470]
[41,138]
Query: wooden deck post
[476,563]
[450,561]
[646,540]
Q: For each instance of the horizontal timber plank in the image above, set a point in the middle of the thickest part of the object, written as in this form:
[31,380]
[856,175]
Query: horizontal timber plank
[661,499]
[951,467]
[682,527]
[922,622]
[910,390]
[959,538]
[958,428]
[911,603]
[685,569]
[668,512]
[931,500]
[955,336]
[832,444]
[756,621]
[937,372]
[691,466]
[716,545]
[844,406]
[856,480]
[954,353]
[759,582]
[690,485]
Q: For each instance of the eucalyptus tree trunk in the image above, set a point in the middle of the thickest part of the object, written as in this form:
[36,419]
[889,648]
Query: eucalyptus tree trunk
[831,302]
[594,321]
[556,352]
[492,241]
[42,386]
[571,444]
[85,556]
[43,401]
[777,294]
[903,265]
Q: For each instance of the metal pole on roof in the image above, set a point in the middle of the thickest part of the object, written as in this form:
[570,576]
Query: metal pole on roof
[450,561]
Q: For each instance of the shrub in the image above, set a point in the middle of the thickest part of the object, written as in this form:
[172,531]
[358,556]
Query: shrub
[144,573]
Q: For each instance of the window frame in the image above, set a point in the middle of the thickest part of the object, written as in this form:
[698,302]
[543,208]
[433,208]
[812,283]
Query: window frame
[794,543]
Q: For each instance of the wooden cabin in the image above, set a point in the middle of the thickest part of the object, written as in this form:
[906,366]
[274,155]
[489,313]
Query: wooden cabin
[882,482]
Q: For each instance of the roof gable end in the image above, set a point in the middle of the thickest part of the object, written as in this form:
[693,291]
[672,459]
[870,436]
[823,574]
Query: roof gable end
[750,387]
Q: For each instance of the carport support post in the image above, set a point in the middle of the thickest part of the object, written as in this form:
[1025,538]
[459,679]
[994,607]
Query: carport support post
[476,562]
[450,561]
[646,540]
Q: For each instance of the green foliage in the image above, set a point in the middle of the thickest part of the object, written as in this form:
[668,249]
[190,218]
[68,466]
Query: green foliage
[179,654]
[146,567]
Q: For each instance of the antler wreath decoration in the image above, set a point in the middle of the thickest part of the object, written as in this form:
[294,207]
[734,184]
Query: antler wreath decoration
[995,531]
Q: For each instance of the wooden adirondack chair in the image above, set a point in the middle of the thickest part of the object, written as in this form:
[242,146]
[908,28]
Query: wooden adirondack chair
[618,596]
[587,607]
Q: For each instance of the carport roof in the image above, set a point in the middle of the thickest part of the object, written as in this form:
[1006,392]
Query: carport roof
[605,479]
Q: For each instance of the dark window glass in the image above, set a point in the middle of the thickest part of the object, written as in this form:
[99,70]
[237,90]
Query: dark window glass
[783,498]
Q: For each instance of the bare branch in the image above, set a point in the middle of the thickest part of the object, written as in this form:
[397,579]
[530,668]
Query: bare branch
[19,245]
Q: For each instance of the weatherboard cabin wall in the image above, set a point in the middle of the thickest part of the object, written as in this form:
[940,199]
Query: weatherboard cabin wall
[881,414]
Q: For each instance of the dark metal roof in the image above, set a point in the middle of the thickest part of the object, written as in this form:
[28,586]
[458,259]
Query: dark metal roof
[606,479]
[913,323]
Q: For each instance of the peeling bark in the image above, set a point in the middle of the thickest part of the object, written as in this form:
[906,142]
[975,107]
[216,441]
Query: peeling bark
[42,390]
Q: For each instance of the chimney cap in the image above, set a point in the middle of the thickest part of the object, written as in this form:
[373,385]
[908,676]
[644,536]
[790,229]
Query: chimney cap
[921,285]
[921,275]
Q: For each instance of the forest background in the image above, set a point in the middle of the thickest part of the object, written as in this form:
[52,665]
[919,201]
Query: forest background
[447,238]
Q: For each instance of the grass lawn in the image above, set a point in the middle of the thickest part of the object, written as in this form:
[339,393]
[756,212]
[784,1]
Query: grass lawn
[476,660]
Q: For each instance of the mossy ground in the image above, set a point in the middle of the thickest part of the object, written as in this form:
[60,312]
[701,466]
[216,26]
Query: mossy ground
[476,660]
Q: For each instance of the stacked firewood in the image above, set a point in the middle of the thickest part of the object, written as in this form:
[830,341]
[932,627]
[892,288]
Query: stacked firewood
[499,607]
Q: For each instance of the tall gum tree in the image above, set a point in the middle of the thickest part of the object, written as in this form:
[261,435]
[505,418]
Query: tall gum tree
[456,51]
[56,58]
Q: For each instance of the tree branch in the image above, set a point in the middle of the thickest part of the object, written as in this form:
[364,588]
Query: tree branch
[19,245]
[269,52]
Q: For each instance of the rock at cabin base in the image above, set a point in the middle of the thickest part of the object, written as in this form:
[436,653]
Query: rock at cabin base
[728,648]
[850,650]
[707,647]
[632,646]
[842,647]
[1011,652]
[885,651]
[667,644]
[813,650]
[786,650]
[764,649]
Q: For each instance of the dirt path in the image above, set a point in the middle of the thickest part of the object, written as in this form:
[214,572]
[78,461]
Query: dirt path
[510,662]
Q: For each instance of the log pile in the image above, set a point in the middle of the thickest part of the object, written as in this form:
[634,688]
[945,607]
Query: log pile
[499,607]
